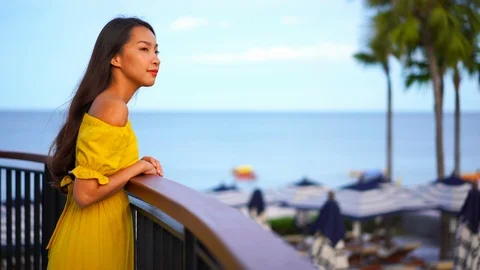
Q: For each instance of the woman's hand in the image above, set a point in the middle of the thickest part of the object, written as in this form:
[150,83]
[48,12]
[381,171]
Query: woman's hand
[157,167]
[147,167]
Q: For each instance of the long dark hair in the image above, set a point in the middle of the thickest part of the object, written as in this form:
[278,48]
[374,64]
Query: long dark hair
[97,78]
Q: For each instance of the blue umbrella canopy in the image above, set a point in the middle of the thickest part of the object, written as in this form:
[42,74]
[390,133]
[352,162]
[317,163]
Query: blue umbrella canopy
[223,187]
[305,182]
[381,179]
[372,175]
[452,180]
[363,186]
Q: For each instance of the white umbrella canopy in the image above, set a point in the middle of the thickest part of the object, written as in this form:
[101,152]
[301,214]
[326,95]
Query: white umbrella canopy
[234,198]
[362,201]
[303,189]
[238,198]
[229,195]
[386,199]
[448,194]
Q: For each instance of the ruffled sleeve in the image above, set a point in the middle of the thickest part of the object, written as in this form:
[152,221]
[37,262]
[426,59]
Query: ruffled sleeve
[100,147]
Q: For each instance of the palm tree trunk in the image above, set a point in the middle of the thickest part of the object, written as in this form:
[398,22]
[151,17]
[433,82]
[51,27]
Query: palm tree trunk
[389,221]
[456,83]
[389,126]
[438,97]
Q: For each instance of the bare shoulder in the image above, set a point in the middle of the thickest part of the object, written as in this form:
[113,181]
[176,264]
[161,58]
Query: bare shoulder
[111,110]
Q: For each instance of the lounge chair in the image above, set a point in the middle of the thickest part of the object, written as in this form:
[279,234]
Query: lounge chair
[323,255]
[396,254]
[362,255]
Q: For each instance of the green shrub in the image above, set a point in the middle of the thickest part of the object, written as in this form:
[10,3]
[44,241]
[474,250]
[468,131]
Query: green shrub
[286,225]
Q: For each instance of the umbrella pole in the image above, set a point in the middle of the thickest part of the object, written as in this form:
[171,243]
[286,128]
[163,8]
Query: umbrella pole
[357,230]
[388,224]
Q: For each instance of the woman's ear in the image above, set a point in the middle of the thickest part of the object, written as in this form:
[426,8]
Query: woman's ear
[115,61]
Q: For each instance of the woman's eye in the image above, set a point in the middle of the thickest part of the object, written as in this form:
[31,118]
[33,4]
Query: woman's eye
[144,49]
[156,52]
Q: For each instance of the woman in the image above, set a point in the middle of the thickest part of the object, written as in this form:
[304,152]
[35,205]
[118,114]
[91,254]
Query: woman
[96,152]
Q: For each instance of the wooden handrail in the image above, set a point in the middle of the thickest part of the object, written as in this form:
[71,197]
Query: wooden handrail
[23,156]
[235,240]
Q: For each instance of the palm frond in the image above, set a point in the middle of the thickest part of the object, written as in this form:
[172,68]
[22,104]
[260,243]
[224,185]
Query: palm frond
[367,59]
[378,3]
[438,18]
[406,34]
[421,65]
[421,79]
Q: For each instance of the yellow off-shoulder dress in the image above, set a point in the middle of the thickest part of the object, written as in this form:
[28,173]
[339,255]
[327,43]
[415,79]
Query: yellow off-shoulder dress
[99,236]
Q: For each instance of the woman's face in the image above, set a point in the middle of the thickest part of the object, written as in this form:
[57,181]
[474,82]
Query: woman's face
[138,58]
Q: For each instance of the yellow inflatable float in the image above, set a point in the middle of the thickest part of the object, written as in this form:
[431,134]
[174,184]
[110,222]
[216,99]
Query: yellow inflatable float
[244,173]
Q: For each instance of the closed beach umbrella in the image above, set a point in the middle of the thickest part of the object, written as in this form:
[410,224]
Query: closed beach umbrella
[329,221]
[467,244]
[329,230]
[256,202]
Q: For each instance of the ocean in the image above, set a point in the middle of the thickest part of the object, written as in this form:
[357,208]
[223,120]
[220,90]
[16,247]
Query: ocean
[199,149]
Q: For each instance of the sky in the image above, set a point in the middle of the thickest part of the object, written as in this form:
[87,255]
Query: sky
[249,55]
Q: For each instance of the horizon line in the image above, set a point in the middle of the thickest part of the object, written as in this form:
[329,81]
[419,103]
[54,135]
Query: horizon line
[44,110]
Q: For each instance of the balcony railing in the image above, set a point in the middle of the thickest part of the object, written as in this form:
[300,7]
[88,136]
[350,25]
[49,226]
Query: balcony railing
[175,227]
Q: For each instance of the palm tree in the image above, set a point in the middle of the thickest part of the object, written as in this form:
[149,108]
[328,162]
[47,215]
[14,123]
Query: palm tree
[468,14]
[411,32]
[378,52]
[435,30]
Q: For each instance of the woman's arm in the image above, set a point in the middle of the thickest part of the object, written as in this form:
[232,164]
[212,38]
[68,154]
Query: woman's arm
[113,111]
[89,191]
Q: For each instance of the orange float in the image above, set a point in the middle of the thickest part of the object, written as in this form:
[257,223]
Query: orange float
[244,173]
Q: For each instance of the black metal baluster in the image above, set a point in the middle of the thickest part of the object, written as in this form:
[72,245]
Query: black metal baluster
[148,244]
[9,219]
[190,255]
[177,253]
[18,219]
[157,245]
[28,218]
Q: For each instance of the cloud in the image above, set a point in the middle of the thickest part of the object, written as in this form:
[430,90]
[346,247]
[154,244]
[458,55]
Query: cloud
[323,51]
[187,23]
[290,20]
